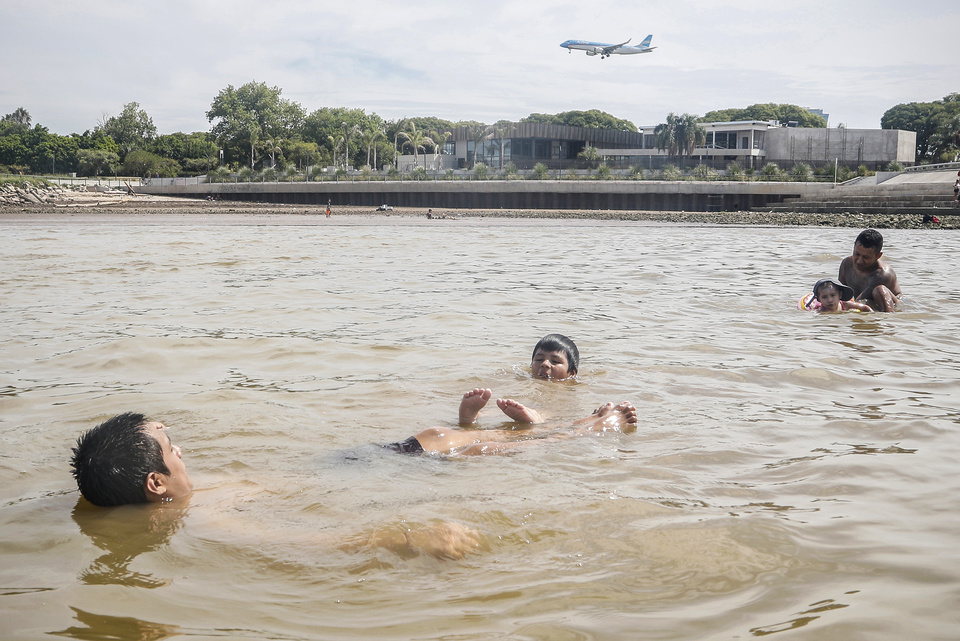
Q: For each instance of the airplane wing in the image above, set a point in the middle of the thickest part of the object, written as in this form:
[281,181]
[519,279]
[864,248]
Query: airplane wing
[613,48]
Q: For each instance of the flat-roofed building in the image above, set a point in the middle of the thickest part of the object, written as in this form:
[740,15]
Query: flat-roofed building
[751,144]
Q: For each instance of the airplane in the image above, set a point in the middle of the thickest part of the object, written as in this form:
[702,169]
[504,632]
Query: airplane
[606,50]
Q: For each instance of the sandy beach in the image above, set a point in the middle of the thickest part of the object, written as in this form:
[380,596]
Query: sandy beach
[92,207]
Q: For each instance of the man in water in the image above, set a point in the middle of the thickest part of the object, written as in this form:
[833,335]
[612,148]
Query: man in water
[872,280]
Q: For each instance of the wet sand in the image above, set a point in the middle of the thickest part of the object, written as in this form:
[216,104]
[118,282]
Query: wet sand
[111,206]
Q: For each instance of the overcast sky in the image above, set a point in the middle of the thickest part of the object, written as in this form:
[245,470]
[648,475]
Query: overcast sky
[69,63]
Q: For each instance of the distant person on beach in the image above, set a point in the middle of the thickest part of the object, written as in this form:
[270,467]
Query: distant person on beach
[872,280]
[834,296]
[328,209]
[956,190]
[555,357]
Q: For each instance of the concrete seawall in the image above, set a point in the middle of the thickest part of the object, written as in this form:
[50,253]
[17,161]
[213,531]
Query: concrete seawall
[640,195]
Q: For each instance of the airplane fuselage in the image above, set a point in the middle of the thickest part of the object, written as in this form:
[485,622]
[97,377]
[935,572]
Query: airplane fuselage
[605,50]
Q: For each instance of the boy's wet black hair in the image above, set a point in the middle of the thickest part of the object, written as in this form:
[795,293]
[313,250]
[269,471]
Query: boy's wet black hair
[560,343]
[111,462]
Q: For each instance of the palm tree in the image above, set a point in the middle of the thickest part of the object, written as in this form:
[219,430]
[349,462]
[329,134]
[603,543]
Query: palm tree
[335,142]
[439,140]
[479,133]
[20,117]
[417,139]
[665,135]
[690,134]
[370,138]
[254,132]
[590,156]
[500,131]
[679,135]
[272,146]
[401,125]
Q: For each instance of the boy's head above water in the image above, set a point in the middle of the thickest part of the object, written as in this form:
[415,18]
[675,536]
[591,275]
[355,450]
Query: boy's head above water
[128,459]
[555,357]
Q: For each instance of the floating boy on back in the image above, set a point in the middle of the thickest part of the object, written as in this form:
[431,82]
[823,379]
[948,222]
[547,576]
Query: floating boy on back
[555,357]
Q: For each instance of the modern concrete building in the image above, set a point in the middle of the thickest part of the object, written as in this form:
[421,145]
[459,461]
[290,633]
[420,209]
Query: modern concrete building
[752,144]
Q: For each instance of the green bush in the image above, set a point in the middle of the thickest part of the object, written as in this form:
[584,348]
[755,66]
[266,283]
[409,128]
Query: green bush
[670,172]
[219,175]
[540,172]
[702,172]
[734,171]
[801,172]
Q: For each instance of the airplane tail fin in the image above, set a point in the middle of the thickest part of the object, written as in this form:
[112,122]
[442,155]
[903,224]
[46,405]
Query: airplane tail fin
[646,41]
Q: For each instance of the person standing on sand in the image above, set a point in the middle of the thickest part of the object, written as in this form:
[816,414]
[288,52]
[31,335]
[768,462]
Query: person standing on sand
[328,209]
[872,280]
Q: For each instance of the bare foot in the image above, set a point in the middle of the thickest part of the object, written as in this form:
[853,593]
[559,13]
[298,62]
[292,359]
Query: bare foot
[518,412]
[610,417]
[471,404]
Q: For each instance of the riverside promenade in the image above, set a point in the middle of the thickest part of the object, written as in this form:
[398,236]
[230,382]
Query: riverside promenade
[905,192]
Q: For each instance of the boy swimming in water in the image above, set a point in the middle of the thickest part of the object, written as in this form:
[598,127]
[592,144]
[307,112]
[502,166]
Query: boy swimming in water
[555,357]
[129,459]
[834,296]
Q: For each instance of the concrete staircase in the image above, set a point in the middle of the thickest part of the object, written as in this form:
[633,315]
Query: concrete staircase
[903,193]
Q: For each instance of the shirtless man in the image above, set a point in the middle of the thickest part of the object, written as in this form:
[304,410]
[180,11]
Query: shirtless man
[873,281]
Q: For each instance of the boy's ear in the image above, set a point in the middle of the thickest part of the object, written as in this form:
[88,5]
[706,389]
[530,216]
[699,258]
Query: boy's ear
[154,487]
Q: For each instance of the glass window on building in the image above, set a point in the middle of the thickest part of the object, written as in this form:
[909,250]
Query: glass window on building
[522,147]
[649,142]
[542,149]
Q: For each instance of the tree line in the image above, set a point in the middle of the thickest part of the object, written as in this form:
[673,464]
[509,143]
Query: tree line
[254,127]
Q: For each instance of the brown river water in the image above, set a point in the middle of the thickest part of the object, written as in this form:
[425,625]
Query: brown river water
[793,474]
